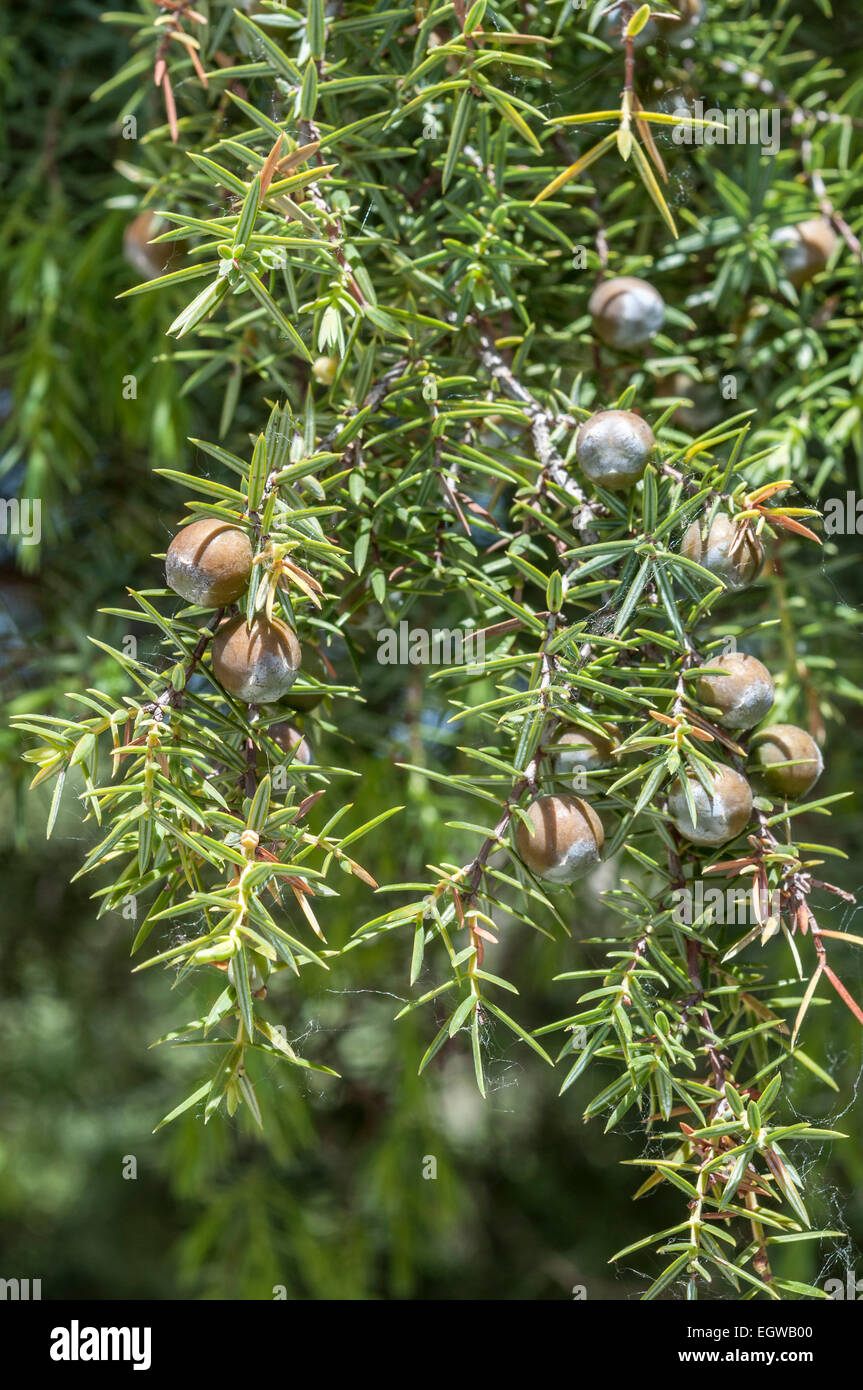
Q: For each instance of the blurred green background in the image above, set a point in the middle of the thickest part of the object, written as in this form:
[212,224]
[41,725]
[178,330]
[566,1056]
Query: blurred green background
[527,1202]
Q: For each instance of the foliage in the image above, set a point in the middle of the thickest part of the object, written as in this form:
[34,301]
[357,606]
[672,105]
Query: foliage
[388,251]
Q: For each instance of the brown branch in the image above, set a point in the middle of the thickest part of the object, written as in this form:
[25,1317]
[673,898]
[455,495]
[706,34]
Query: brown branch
[173,699]
[309,133]
[375,394]
[528,782]
[250,776]
[542,422]
[761,1259]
